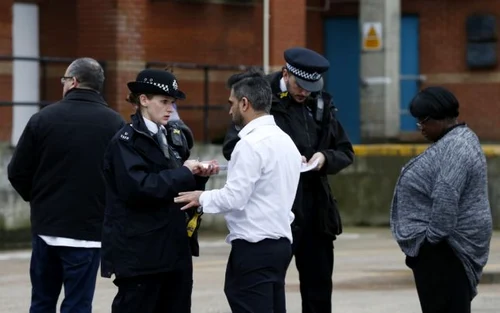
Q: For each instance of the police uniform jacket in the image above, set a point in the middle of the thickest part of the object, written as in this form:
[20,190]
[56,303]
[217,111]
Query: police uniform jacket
[315,208]
[144,230]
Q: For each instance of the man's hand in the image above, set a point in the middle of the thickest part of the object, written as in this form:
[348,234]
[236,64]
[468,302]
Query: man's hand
[321,160]
[209,168]
[192,198]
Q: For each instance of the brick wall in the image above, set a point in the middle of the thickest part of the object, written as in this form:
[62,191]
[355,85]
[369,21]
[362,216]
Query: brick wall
[288,27]
[5,69]
[218,34]
[58,38]
[442,58]
[206,34]
[109,31]
[442,55]
[127,33]
[130,50]
[97,37]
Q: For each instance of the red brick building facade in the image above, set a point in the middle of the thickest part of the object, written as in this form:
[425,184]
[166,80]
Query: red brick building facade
[128,33]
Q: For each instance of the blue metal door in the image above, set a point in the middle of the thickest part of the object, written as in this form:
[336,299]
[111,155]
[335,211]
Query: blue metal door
[409,69]
[342,79]
[342,49]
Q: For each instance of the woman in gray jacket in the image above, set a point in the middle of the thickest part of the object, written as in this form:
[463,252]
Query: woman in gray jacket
[440,214]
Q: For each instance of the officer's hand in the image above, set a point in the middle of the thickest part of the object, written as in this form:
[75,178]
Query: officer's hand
[193,165]
[209,168]
[321,160]
[304,159]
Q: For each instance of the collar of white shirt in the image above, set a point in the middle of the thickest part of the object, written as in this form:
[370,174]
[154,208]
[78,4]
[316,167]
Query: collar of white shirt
[152,127]
[259,121]
[282,85]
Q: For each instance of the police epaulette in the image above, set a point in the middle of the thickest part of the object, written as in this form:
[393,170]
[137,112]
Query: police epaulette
[125,136]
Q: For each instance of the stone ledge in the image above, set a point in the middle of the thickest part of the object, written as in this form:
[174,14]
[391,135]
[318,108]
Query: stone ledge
[491,150]
[490,277]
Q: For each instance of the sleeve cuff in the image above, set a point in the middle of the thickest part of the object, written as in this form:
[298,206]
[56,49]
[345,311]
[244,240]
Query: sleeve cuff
[207,204]
[203,198]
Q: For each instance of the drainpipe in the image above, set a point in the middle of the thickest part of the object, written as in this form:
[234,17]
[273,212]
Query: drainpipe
[265,35]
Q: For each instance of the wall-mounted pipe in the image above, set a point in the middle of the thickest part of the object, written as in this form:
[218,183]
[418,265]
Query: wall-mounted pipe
[265,36]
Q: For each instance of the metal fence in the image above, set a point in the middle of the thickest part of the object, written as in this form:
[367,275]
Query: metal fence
[206,68]
[206,106]
[44,62]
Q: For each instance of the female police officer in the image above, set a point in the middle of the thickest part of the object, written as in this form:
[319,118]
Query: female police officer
[145,239]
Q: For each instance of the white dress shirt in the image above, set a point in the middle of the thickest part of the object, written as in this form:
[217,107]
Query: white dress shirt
[262,179]
[152,127]
[77,243]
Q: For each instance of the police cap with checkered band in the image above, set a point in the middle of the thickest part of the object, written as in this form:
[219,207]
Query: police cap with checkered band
[307,66]
[156,82]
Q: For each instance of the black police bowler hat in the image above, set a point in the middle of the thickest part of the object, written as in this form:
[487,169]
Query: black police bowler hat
[156,82]
[307,66]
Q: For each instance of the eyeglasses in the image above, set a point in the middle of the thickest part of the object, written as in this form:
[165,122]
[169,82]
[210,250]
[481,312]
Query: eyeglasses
[64,78]
[421,123]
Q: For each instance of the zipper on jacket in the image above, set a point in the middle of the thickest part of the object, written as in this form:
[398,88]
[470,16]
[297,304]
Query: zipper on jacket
[147,135]
[307,127]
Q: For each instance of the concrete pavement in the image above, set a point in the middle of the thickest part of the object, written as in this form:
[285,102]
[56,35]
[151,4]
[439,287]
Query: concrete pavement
[370,276]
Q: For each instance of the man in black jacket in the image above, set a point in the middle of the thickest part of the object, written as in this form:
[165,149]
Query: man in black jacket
[307,115]
[57,167]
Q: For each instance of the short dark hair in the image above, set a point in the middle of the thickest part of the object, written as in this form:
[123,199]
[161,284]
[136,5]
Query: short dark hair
[253,85]
[88,72]
[435,102]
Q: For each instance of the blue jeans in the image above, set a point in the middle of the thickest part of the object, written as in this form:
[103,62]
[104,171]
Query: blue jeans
[51,266]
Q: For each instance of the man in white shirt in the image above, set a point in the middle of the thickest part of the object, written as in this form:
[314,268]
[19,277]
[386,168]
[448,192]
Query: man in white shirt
[263,175]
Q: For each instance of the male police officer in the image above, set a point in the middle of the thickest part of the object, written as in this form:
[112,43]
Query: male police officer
[307,114]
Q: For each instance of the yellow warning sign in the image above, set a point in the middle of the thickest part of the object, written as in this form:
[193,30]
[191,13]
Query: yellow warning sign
[372,36]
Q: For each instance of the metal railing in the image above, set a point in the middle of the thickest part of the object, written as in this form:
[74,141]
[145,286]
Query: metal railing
[44,62]
[206,106]
[206,68]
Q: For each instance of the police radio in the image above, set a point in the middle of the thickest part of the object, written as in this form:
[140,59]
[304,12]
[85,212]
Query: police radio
[194,222]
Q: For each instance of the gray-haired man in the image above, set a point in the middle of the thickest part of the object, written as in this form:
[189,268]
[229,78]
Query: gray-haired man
[57,167]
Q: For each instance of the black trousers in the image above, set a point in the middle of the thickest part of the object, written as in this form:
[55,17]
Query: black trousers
[51,267]
[255,276]
[314,261]
[442,284]
[158,293]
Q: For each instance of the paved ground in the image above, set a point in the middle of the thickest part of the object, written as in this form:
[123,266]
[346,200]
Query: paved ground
[370,276]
